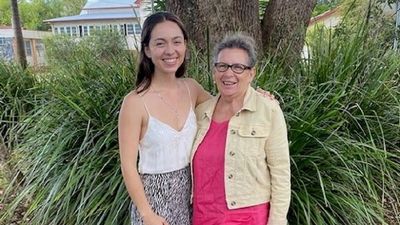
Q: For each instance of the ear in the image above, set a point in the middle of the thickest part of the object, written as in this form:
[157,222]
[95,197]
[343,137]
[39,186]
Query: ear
[253,72]
[147,52]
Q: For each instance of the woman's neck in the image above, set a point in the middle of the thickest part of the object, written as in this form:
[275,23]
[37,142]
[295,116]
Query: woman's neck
[227,106]
[162,82]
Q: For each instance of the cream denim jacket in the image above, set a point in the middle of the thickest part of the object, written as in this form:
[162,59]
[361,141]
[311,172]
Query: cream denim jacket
[257,165]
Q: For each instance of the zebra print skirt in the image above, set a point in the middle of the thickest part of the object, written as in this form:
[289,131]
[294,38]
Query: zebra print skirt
[168,195]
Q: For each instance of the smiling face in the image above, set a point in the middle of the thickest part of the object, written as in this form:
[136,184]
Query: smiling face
[167,48]
[229,83]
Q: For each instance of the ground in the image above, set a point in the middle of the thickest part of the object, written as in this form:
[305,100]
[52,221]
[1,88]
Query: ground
[4,181]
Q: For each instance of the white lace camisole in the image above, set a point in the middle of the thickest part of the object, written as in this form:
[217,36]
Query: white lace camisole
[164,149]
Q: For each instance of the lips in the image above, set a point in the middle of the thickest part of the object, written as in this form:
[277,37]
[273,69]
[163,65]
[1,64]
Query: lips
[229,83]
[170,60]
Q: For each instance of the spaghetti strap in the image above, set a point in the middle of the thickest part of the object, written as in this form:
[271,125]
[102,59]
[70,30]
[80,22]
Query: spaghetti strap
[190,97]
[145,106]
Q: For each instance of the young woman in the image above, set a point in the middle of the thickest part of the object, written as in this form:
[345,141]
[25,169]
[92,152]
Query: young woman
[157,124]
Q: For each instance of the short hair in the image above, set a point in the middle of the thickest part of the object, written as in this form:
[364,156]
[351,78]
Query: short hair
[240,41]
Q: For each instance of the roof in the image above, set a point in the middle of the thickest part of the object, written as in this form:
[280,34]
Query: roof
[97,16]
[100,4]
[103,10]
[323,16]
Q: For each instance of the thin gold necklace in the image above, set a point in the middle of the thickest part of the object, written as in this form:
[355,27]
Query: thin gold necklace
[173,109]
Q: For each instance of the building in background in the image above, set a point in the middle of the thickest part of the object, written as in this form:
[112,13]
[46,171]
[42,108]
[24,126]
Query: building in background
[34,47]
[123,16]
[329,19]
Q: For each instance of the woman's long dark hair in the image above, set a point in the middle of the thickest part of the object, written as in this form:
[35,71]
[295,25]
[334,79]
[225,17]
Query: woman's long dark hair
[146,66]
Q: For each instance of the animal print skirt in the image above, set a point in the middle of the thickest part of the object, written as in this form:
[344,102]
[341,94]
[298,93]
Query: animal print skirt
[168,195]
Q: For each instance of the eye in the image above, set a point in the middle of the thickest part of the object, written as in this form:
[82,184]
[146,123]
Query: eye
[238,67]
[221,67]
[159,44]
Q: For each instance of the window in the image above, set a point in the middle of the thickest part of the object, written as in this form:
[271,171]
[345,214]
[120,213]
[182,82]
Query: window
[115,28]
[68,31]
[28,48]
[91,29]
[122,29]
[85,31]
[105,27]
[74,33]
[129,29]
[39,47]
[62,30]
[138,29]
[55,30]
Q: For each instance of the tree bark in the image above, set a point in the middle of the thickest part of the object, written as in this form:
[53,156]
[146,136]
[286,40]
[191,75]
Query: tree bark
[188,12]
[19,40]
[284,27]
[208,21]
[282,30]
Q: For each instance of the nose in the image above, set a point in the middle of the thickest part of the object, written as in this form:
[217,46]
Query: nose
[169,49]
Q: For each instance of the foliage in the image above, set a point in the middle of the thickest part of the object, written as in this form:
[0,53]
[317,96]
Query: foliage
[323,6]
[341,104]
[70,148]
[67,51]
[5,12]
[159,5]
[343,113]
[16,85]
[33,12]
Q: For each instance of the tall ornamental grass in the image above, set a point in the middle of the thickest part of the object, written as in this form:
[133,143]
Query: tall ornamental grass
[16,90]
[341,106]
[71,161]
[343,112]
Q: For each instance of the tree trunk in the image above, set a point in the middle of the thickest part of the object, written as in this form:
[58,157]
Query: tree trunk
[188,12]
[282,30]
[208,21]
[227,16]
[19,40]
[284,27]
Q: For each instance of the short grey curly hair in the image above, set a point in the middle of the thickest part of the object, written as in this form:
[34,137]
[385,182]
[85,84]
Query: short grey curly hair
[240,41]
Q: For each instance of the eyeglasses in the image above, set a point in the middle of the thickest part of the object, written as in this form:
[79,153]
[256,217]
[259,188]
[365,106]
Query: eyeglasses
[236,67]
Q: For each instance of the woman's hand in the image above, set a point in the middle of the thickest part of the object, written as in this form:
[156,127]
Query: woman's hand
[154,219]
[266,94]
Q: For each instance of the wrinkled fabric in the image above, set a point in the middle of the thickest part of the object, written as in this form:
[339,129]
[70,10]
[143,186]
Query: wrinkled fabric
[257,162]
[209,204]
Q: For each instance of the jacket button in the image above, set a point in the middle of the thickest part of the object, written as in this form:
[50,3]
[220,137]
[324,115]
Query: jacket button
[233,132]
[231,153]
[233,203]
[253,132]
[230,176]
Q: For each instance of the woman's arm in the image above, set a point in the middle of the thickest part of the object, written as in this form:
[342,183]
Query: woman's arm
[198,93]
[129,128]
[202,95]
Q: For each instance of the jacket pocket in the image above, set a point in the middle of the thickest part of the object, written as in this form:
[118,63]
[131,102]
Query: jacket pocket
[252,140]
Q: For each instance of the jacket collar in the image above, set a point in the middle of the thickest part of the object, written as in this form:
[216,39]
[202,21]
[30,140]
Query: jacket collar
[249,104]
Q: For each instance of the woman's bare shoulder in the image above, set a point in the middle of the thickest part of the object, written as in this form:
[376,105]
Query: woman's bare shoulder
[133,101]
[192,83]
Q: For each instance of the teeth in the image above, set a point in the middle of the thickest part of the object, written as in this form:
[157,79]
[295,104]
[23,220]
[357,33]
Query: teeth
[169,60]
[228,82]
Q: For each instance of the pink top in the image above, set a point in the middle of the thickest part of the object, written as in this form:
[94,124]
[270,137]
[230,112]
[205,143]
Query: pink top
[209,204]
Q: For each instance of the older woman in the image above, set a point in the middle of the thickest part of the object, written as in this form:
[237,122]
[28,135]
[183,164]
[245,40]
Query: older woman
[240,162]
